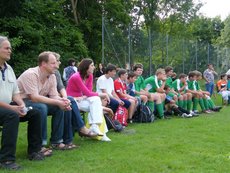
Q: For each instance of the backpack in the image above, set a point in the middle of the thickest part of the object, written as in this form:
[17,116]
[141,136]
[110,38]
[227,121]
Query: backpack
[113,124]
[121,115]
[143,114]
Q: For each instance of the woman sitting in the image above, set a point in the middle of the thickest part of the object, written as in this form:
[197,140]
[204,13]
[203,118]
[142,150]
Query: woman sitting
[80,87]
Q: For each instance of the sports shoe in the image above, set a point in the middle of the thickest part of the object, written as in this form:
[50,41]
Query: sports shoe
[105,138]
[194,114]
[196,111]
[207,111]
[95,129]
[216,108]
[184,115]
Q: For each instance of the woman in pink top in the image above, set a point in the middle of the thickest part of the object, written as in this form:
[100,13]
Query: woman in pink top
[80,87]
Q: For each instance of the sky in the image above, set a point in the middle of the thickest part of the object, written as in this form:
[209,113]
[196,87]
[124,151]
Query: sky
[213,8]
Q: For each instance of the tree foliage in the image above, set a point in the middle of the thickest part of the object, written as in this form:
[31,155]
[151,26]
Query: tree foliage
[73,28]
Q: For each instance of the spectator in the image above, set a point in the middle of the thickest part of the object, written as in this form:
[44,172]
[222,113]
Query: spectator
[100,71]
[209,78]
[120,89]
[38,87]
[73,117]
[69,70]
[105,85]
[80,87]
[12,113]
[222,88]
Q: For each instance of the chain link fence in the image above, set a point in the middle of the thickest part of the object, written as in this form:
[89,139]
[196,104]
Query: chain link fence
[127,46]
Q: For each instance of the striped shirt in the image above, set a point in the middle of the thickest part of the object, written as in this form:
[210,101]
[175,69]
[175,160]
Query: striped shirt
[30,82]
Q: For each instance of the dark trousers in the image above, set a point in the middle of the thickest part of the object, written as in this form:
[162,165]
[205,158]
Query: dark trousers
[9,120]
[72,122]
[113,104]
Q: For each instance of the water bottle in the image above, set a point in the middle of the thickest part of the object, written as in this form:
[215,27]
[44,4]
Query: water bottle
[26,109]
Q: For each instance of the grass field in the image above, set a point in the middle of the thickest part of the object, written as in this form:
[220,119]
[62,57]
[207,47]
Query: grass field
[178,145]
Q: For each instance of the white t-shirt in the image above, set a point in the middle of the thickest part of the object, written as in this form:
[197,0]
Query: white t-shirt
[228,72]
[105,83]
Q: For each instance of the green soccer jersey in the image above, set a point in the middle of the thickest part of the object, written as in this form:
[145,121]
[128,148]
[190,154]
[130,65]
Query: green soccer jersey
[192,85]
[197,85]
[169,82]
[152,83]
[139,84]
[177,85]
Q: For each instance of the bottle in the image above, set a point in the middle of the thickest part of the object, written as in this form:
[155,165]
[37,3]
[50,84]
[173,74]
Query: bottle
[26,109]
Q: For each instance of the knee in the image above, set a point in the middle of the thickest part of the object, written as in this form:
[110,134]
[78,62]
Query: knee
[42,108]
[13,116]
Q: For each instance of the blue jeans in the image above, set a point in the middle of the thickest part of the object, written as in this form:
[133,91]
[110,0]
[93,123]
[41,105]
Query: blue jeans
[72,121]
[210,87]
[57,122]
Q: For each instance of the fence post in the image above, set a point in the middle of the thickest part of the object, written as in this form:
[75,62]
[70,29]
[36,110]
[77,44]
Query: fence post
[103,41]
[150,53]
[129,45]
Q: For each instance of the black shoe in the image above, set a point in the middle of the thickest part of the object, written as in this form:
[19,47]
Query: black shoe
[217,108]
[130,121]
[36,156]
[10,165]
[166,117]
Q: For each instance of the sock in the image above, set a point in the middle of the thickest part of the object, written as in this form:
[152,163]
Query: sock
[195,103]
[205,103]
[201,102]
[189,105]
[185,103]
[151,105]
[210,103]
[180,103]
[160,109]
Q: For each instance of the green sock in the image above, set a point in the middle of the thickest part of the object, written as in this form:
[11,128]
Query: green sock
[205,103]
[201,102]
[180,103]
[210,103]
[151,105]
[160,110]
[189,105]
[177,103]
[195,103]
[185,103]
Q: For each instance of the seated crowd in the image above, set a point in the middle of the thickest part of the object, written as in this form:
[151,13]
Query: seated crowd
[39,91]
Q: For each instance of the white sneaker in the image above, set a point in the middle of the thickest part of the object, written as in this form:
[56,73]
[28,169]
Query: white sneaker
[184,115]
[95,129]
[105,138]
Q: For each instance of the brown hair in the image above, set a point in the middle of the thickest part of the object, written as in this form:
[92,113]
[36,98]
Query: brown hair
[44,57]
[84,66]
[168,68]
[136,66]
[121,72]
[182,75]
[131,74]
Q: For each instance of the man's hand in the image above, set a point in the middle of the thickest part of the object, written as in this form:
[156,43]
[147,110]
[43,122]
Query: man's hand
[19,110]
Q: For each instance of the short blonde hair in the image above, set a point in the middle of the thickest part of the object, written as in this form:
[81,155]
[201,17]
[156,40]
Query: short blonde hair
[160,70]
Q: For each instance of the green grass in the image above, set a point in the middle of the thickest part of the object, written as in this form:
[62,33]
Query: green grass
[177,145]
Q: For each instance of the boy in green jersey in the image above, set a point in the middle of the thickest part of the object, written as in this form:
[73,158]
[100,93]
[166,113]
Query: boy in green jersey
[180,85]
[208,103]
[140,89]
[155,85]
[198,96]
[177,97]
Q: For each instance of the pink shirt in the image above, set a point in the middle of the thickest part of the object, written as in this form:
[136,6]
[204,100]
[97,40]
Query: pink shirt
[30,83]
[77,87]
